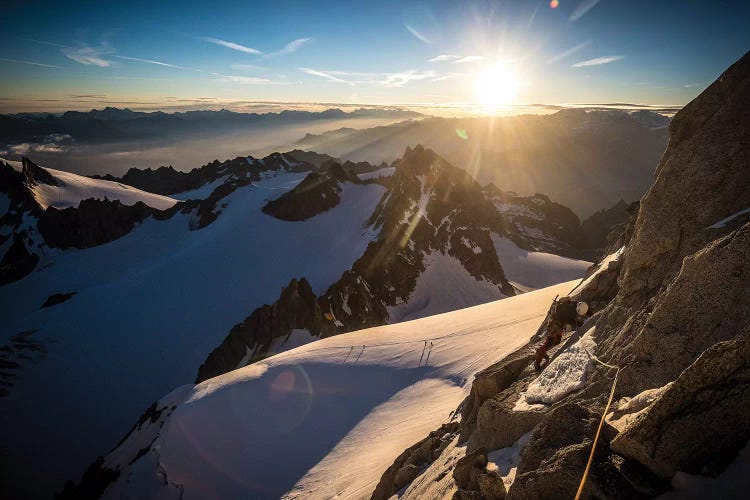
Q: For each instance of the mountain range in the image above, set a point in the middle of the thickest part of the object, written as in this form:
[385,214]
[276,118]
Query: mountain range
[116,125]
[586,160]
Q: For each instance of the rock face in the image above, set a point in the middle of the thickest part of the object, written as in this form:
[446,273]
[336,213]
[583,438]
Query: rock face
[20,258]
[601,224]
[546,226]
[297,307]
[318,192]
[705,397]
[672,311]
[17,262]
[92,223]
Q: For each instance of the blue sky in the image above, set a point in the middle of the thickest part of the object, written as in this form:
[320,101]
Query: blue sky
[79,55]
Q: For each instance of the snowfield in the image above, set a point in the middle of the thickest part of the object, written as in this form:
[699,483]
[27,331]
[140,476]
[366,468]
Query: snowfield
[149,308]
[326,419]
[444,286]
[534,270]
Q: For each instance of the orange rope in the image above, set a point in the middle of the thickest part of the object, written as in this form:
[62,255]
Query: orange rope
[601,424]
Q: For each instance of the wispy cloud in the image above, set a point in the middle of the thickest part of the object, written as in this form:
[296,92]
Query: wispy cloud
[292,46]
[690,85]
[327,76]
[401,79]
[469,59]
[83,53]
[582,9]
[598,61]
[43,42]
[232,45]
[444,57]
[30,63]
[417,34]
[88,55]
[249,80]
[246,67]
[149,61]
[569,52]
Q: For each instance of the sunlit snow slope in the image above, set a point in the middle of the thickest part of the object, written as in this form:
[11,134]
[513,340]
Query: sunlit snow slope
[73,188]
[326,419]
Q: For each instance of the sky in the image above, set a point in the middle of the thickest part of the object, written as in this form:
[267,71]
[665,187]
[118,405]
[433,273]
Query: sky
[242,54]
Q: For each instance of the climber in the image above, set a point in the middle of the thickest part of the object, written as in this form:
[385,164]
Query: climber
[565,314]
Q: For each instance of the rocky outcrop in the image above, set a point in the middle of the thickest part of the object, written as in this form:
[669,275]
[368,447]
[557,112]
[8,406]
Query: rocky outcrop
[17,262]
[92,485]
[539,224]
[413,461]
[601,224]
[92,223]
[491,382]
[701,179]
[474,481]
[19,351]
[20,258]
[297,307]
[318,192]
[57,298]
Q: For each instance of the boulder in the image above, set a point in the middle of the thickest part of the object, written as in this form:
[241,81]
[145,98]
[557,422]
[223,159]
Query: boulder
[700,422]
[472,478]
[413,461]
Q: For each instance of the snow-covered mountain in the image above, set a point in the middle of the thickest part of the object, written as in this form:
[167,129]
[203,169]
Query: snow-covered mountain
[114,295]
[438,244]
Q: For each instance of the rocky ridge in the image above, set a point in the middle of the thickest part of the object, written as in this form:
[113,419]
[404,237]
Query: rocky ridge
[430,207]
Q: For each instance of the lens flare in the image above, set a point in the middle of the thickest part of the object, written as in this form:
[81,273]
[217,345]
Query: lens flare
[282,385]
[554,4]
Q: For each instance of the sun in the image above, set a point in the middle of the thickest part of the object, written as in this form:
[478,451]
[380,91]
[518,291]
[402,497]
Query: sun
[495,87]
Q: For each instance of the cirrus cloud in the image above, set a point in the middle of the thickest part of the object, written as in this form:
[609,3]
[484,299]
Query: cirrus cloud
[597,61]
[89,56]
[232,45]
[327,76]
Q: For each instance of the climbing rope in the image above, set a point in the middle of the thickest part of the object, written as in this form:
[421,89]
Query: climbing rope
[601,422]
